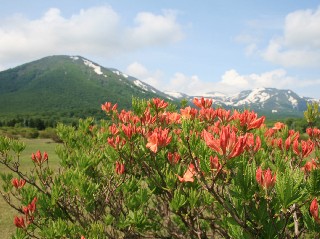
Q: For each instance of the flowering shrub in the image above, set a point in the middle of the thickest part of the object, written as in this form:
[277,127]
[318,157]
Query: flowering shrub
[155,172]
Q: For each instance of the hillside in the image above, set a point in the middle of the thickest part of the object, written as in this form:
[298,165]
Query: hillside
[66,84]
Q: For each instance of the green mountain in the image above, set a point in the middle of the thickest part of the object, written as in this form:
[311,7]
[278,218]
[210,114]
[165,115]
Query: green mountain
[69,84]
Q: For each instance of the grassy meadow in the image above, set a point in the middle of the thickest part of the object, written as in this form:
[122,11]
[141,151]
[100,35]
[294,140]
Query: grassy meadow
[32,145]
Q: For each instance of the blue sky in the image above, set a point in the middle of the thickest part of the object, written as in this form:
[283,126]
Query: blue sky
[188,46]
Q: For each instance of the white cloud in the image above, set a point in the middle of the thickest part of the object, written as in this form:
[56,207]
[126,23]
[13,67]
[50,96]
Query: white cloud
[96,30]
[276,78]
[231,81]
[191,85]
[155,29]
[299,46]
[140,72]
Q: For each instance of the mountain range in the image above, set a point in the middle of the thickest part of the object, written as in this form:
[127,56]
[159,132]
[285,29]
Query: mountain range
[279,102]
[74,83]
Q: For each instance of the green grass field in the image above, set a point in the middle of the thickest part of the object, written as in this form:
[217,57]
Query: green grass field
[7,214]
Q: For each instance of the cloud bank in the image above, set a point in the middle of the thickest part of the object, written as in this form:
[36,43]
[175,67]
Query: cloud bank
[299,46]
[230,81]
[96,30]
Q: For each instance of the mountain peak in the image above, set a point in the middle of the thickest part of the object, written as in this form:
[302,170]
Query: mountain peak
[63,83]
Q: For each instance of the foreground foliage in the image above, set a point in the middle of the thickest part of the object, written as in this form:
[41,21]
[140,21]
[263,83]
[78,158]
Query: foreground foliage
[156,173]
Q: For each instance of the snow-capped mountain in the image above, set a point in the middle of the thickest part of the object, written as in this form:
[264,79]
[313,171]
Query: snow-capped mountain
[261,99]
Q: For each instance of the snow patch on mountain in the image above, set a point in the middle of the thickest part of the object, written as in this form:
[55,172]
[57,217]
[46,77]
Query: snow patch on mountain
[255,96]
[96,68]
[141,85]
[214,95]
[74,58]
[293,101]
[119,73]
[173,94]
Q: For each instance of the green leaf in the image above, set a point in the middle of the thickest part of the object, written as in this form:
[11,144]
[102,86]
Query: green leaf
[313,183]
[178,201]
[193,197]
[289,187]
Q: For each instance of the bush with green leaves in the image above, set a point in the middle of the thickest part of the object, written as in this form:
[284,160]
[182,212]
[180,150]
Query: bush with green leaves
[158,172]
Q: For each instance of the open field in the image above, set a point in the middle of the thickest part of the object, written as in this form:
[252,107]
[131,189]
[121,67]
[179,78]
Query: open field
[32,145]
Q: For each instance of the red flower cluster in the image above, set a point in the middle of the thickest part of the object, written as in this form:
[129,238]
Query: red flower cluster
[23,222]
[107,107]
[158,104]
[228,144]
[278,126]
[265,178]
[188,113]
[188,175]
[314,210]
[304,149]
[18,184]
[248,120]
[120,168]
[173,158]
[214,163]
[158,138]
[310,165]
[202,103]
[38,158]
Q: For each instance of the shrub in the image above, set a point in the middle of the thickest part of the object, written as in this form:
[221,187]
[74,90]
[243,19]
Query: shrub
[156,173]
[50,133]
[29,133]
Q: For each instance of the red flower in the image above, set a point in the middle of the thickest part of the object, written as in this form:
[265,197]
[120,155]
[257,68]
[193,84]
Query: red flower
[116,142]
[253,143]
[38,158]
[287,143]
[314,209]
[29,211]
[304,149]
[128,117]
[120,168]
[203,103]
[208,114]
[309,166]
[19,222]
[188,113]
[18,183]
[173,157]
[228,144]
[188,175]
[259,176]
[147,118]
[174,117]
[313,132]
[278,126]
[265,178]
[129,130]
[159,104]
[214,163]
[113,129]
[107,107]
[158,138]
[224,115]
[249,120]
